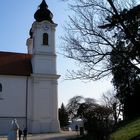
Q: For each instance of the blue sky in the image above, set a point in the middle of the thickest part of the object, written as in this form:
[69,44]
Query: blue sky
[16,18]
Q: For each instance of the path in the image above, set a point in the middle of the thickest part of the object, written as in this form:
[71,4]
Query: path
[50,136]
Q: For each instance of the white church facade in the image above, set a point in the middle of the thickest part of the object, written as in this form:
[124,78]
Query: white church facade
[28,82]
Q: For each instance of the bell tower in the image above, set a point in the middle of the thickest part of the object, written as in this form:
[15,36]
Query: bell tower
[42,41]
[43,112]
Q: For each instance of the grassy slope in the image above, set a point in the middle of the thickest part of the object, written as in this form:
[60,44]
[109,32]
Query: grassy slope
[127,131]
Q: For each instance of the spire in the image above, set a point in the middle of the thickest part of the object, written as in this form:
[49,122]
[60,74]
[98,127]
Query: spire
[43,13]
[43,4]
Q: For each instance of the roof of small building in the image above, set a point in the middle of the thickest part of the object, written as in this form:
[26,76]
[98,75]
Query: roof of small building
[15,64]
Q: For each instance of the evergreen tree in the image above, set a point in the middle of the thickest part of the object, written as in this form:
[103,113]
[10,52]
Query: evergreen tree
[63,116]
[127,82]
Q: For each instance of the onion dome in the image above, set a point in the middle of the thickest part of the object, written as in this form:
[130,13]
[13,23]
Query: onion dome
[43,13]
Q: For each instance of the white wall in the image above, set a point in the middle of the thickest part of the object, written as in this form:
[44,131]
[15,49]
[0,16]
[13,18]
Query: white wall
[13,101]
[44,105]
[44,64]
[13,94]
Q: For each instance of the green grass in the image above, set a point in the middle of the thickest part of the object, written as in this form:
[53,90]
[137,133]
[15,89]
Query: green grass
[128,131]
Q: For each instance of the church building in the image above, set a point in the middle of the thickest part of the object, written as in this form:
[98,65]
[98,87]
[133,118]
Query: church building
[28,81]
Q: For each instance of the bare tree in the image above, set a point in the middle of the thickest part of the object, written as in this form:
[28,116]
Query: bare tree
[95,30]
[111,101]
[96,117]
[78,106]
[73,106]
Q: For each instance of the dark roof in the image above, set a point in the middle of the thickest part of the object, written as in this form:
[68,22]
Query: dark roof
[43,13]
[15,64]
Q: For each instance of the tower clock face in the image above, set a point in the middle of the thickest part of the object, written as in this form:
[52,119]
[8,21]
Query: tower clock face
[45,27]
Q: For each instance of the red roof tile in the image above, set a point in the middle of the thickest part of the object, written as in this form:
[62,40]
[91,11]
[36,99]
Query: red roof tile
[15,64]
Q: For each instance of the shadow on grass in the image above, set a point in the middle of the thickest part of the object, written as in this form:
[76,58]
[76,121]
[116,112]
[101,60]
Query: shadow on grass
[85,137]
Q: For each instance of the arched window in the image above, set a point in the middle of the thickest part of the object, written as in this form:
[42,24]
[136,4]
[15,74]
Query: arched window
[0,87]
[45,39]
